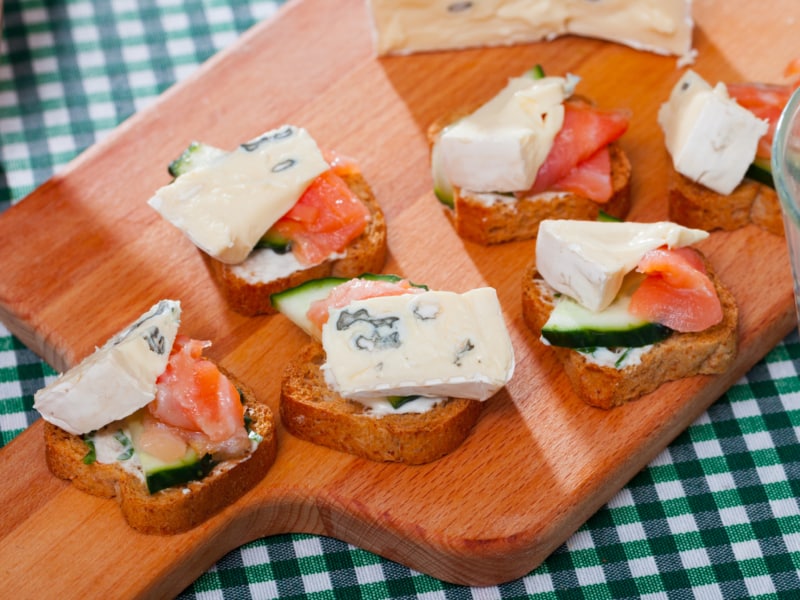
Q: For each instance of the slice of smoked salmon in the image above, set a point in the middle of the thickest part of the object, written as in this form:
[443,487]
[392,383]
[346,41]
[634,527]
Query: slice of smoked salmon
[591,178]
[766,101]
[326,218]
[357,289]
[585,131]
[193,395]
[677,291]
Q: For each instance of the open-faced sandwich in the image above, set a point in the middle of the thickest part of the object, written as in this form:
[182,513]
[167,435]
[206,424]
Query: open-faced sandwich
[627,307]
[394,372]
[148,420]
[273,213]
[720,142]
[535,151]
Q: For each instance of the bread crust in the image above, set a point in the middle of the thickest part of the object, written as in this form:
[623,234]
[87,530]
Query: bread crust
[313,412]
[176,509]
[694,205]
[366,254]
[681,355]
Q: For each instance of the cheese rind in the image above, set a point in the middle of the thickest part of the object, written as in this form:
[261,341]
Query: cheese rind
[406,26]
[117,379]
[433,344]
[225,206]
[587,260]
[500,146]
[711,138]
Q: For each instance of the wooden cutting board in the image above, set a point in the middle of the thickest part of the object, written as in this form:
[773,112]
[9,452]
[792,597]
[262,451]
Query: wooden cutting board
[84,255]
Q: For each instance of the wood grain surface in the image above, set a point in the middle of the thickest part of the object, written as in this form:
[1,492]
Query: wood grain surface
[84,255]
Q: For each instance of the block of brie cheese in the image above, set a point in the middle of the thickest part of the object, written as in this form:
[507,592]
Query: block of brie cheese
[434,343]
[117,379]
[407,26]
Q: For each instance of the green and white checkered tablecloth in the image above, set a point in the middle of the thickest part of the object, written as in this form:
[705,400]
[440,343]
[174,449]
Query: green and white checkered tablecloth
[715,515]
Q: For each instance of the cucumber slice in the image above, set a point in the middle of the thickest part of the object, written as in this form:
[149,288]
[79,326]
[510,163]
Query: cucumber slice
[196,155]
[571,325]
[159,474]
[761,171]
[295,302]
[604,216]
[441,185]
[537,72]
[275,242]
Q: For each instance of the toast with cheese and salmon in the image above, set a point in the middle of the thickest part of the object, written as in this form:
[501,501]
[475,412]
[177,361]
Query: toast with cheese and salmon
[273,213]
[394,372]
[720,142]
[627,307]
[535,151]
[148,420]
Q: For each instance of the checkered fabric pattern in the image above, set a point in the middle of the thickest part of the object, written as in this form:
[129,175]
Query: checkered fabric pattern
[715,515]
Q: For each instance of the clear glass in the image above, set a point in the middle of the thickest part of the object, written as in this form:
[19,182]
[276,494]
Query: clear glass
[786,174]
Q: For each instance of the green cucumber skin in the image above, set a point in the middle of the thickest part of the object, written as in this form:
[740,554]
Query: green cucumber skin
[645,335]
[178,474]
[197,154]
[761,171]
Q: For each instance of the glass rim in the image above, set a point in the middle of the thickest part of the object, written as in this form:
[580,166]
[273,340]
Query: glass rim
[780,174]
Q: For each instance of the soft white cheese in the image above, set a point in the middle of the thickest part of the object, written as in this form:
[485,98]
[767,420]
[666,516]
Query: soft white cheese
[380,407]
[500,147]
[711,138]
[587,260]
[434,344]
[225,206]
[117,379]
[405,26]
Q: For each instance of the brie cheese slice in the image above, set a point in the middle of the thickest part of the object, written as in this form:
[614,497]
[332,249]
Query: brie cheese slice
[117,379]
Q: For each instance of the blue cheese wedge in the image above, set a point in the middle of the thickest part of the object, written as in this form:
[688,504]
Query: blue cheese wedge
[226,204]
[434,343]
[406,26]
[588,260]
[500,147]
[712,140]
[117,379]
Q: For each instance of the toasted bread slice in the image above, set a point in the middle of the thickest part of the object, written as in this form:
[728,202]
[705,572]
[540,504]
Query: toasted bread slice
[366,254]
[499,220]
[312,411]
[681,355]
[694,205]
[176,509]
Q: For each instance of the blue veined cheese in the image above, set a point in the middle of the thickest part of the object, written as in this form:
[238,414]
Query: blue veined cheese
[117,379]
[225,205]
[435,343]
[406,26]
[588,260]
[500,146]
[711,138]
